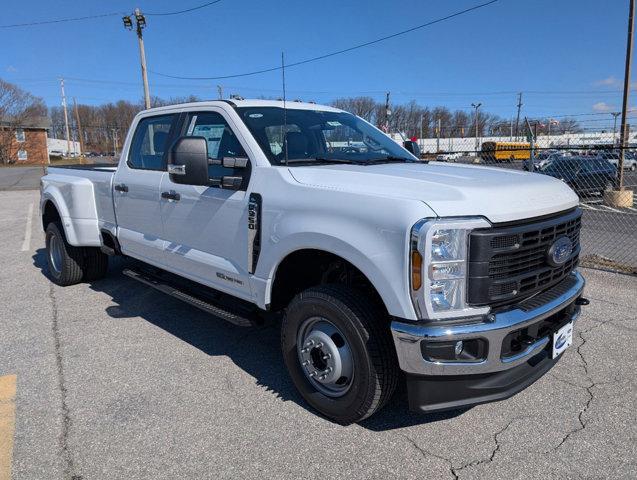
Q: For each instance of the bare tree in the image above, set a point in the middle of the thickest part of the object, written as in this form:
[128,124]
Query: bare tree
[364,107]
[17,109]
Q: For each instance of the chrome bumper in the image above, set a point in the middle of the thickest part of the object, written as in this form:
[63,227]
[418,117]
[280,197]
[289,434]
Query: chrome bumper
[407,338]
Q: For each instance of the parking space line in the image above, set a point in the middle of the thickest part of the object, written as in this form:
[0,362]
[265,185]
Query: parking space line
[611,209]
[7,424]
[26,244]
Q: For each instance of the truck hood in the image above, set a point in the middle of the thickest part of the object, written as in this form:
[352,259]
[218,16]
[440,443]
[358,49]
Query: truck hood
[450,190]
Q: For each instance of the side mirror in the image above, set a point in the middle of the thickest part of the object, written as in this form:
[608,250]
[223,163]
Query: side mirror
[412,147]
[188,161]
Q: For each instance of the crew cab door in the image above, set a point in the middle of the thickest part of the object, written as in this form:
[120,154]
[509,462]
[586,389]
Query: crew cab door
[136,190]
[206,227]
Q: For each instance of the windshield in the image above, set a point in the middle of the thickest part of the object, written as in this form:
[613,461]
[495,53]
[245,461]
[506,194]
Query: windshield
[316,136]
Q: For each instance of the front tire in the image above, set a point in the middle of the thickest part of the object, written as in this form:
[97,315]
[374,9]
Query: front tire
[66,262]
[339,352]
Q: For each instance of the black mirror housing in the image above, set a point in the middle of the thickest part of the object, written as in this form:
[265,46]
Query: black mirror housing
[412,147]
[188,161]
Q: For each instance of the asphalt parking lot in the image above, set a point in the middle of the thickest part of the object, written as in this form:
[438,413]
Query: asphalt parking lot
[114,380]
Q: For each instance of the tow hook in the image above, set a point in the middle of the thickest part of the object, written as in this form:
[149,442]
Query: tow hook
[582,301]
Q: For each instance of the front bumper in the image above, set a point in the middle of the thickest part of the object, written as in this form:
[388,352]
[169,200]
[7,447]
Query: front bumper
[512,372]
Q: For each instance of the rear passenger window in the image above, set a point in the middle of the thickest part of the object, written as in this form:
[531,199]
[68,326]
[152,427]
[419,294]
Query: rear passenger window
[222,142]
[150,143]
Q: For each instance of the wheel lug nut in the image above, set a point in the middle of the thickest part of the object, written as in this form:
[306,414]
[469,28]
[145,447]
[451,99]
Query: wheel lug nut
[306,363]
[328,370]
[327,356]
[312,374]
[309,343]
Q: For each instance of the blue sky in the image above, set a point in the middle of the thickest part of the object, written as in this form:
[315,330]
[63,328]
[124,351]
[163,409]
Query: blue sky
[566,55]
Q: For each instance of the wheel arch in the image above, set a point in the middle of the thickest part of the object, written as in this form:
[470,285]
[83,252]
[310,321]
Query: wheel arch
[306,267]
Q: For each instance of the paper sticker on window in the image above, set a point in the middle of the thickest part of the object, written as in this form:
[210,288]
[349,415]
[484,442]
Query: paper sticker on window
[334,123]
[191,127]
[255,115]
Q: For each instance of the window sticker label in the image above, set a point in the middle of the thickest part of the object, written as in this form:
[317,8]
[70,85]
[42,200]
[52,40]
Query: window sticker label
[334,123]
[191,127]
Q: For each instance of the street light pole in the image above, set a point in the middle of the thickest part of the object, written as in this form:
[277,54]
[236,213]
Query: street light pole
[140,22]
[66,120]
[477,106]
[615,115]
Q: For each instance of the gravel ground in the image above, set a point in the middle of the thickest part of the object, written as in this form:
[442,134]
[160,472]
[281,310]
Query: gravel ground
[118,381]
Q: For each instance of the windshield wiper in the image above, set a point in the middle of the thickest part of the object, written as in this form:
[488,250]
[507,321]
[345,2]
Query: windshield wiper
[318,160]
[390,159]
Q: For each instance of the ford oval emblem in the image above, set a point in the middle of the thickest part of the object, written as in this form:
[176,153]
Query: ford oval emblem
[561,340]
[560,251]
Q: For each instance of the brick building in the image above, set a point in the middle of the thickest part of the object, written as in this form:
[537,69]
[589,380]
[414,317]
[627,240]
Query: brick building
[25,143]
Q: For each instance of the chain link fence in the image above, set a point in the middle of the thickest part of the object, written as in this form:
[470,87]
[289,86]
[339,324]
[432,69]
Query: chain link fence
[588,163]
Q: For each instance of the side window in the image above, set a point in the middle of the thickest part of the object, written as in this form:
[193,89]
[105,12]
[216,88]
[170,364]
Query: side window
[222,142]
[150,143]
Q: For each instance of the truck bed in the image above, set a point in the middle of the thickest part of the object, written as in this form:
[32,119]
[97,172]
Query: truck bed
[83,196]
[91,166]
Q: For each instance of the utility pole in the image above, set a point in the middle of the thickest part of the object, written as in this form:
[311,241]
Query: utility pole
[79,126]
[476,106]
[438,135]
[387,113]
[220,91]
[66,119]
[140,22]
[623,134]
[517,121]
[114,132]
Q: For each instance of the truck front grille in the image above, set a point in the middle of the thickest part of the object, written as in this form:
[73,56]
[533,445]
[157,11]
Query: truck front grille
[510,262]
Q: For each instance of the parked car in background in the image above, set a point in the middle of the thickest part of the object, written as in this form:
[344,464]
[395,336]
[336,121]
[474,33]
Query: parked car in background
[448,157]
[583,174]
[630,160]
[542,159]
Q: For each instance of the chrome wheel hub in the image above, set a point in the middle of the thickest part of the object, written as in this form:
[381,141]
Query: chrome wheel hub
[56,253]
[325,356]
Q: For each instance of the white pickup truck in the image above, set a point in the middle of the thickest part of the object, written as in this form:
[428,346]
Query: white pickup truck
[463,277]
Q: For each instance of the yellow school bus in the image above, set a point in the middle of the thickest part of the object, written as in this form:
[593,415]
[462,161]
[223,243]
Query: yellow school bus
[505,151]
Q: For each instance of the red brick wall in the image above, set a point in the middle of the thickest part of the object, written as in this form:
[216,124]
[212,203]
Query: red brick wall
[34,145]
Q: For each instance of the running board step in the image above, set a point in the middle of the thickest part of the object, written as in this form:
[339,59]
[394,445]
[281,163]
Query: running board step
[242,319]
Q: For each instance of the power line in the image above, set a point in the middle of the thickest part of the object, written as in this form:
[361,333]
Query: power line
[184,11]
[61,20]
[103,15]
[338,52]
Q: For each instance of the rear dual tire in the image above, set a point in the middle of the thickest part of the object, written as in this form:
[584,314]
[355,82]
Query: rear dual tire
[356,336]
[69,265]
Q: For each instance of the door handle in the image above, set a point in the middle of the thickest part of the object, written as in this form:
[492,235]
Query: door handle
[172,195]
[121,187]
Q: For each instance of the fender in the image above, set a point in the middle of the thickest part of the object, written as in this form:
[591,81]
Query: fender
[394,294]
[74,199]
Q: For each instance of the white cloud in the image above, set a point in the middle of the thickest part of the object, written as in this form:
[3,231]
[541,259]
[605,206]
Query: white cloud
[11,69]
[608,82]
[603,107]
[613,82]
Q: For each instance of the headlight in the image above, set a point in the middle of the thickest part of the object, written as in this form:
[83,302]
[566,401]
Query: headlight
[440,248]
